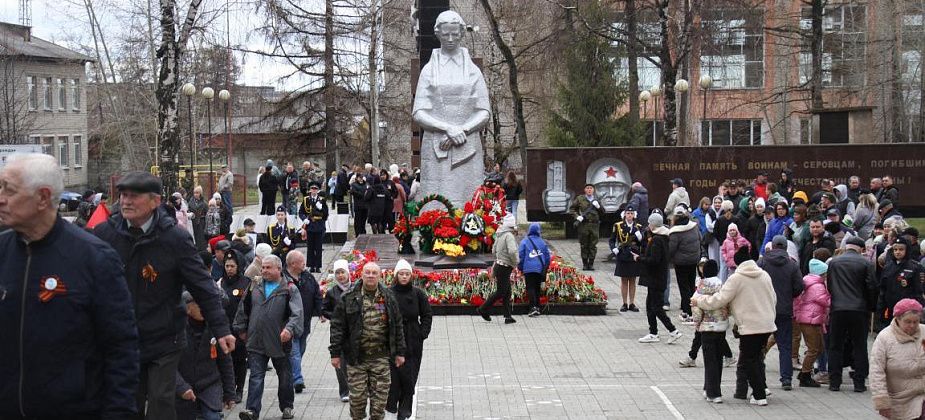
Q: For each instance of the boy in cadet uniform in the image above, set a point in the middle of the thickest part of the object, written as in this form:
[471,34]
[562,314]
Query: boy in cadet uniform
[280,235]
[314,214]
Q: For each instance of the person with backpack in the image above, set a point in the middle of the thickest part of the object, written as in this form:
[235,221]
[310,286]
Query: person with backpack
[269,317]
[534,261]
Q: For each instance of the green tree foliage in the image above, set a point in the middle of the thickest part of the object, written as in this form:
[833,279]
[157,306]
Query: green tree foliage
[589,97]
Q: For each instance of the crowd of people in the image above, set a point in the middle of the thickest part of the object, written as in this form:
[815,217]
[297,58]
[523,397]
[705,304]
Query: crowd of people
[159,328]
[777,266]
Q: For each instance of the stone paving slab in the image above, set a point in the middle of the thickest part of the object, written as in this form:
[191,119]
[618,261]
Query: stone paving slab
[562,367]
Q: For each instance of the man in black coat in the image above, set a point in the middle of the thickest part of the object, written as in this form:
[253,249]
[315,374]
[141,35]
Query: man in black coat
[296,273]
[268,184]
[852,282]
[655,277]
[160,261]
[818,238]
[68,342]
[417,316]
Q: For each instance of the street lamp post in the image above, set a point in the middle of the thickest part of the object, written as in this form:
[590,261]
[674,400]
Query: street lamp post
[189,90]
[225,95]
[655,91]
[705,83]
[208,94]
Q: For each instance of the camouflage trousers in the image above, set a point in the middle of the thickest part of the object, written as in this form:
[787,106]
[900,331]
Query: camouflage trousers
[588,237]
[369,380]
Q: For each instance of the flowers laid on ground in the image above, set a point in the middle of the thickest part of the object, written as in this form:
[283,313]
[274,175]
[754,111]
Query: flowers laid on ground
[448,249]
[564,283]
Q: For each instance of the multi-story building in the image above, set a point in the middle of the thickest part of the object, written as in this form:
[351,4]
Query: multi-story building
[44,99]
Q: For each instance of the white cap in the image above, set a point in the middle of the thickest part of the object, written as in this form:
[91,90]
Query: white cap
[402,265]
[217,196]
[263,250]
[341,264]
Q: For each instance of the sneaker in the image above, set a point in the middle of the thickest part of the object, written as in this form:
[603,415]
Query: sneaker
[683,317]
[796,363]
[687,362]
[821,377]
[247,415]
[345,399]
[666,307]
[729,361]
[287,413]
[717,400]
[238,396]
[624,308]
[786,386]
[299,388]
[762,402]
[674,336]
[634,308]
[509,320]
[689,322]
[535,312]
[767,392]
[860,387]
[649,338]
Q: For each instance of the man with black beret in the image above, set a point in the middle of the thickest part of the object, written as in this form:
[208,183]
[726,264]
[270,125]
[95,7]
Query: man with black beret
[160,261]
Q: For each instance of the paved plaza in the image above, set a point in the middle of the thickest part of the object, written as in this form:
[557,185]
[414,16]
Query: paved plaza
[563,367]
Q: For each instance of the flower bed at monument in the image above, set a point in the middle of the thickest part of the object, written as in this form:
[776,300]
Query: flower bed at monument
[460,291]
[452,232]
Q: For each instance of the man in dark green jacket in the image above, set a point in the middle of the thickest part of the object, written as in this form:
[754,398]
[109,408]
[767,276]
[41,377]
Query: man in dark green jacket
[586,210]
[367,330]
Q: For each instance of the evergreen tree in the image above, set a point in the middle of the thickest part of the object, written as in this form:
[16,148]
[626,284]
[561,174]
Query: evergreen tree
[590,96]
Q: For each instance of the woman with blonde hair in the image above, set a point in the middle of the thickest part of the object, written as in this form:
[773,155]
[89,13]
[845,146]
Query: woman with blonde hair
[865,215]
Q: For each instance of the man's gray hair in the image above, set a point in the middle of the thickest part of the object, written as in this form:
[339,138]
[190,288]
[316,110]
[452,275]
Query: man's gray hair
[39,170]
[273,259]
[295,253]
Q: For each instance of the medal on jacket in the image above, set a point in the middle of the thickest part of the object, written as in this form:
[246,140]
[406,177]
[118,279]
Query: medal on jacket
[902,280]
[148,273]
[236,292]
[213,352]
[50,287]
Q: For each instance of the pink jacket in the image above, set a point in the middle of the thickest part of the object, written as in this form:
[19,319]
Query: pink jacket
[812,306]
[728,250]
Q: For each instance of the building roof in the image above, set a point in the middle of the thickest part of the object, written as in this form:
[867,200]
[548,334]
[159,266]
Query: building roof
[17,40]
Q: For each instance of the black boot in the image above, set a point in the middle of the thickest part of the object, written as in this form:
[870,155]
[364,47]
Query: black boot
[806,380]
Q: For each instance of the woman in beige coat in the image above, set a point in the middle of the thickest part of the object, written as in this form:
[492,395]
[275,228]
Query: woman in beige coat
[897,364]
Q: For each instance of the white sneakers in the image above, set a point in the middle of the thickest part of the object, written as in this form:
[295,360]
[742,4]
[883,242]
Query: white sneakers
[717,400]
[653,338]
[729,361]
[797,364]
[687,362]
[761,402]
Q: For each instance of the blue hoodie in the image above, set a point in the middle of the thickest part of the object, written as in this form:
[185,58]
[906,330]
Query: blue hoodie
[534,254]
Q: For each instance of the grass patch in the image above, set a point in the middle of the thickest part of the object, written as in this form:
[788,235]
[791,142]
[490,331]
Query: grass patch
[918,223]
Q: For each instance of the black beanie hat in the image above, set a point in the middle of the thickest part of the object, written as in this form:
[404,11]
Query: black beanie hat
[710,269]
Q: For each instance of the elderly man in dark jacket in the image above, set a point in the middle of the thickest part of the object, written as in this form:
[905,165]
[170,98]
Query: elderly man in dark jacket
[640,200]
[269,317]
[310,292]
[788,284]
[368,330]
[160,260]
[68,342]
[852,282]
[205,379]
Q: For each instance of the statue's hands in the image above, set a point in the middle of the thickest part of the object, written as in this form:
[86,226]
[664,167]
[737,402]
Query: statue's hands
[456,134]
[446,143]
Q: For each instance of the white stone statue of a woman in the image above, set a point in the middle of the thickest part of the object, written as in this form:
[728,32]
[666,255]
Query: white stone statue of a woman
[451,106]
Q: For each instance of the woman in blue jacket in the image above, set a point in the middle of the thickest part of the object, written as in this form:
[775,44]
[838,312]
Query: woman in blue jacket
[777,225]
[534,261]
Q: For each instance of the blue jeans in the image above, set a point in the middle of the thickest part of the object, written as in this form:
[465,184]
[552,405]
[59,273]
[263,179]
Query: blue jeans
[258,366]
[823,361]
[295,358]
[226,198]
[208,414]
[784,338]
[512,207]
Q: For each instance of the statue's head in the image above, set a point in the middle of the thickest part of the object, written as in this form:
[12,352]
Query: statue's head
[449,28]
[611,180]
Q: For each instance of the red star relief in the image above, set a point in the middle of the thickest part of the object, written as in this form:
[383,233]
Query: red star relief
[611,172]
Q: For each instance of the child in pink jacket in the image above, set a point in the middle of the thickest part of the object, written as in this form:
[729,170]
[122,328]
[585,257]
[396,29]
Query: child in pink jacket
[811,314]
[733,242]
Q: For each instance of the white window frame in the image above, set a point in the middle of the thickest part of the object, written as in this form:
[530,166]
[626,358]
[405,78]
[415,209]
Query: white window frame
[62,93]
[32,89]
[77,141]
[731,71]
[63,151]
[833,23]
[49,147]
[75,94]
[48,97]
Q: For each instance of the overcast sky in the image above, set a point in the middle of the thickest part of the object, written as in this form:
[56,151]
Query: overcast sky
[65,24]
